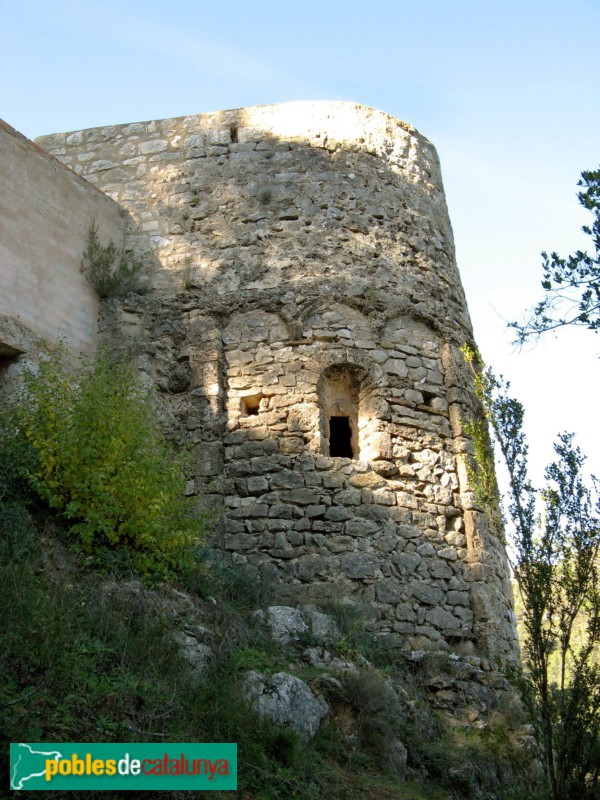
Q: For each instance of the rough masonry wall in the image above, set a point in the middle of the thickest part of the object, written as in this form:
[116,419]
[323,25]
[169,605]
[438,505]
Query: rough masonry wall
[45,214]
[304,271]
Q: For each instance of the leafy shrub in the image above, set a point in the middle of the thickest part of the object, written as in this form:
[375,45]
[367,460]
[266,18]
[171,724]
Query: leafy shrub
[102,464]
[112,272]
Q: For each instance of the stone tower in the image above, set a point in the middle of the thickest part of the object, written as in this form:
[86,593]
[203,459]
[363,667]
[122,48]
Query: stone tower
[303,324]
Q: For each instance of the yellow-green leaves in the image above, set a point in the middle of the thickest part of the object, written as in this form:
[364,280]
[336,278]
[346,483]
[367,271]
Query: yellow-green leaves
[102,462]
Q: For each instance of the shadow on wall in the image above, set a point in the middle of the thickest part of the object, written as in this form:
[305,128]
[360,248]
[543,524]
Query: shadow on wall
[235,209]
[305,320]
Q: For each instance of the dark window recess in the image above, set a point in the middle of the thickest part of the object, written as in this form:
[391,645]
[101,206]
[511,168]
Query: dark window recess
[6,359]
[251,405]
[427,398]
[340,437]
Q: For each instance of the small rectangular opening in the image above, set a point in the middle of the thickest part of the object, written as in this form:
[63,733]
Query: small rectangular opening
[251,405]
[427,397]
[340,437]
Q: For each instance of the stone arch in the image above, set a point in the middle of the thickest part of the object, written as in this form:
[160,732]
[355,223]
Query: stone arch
[349,425]
[341,321]
[406,330]
[339,395]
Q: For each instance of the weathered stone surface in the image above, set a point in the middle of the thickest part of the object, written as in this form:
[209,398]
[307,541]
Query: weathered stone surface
[442,619]
[389,590]
[287,479]
[287,701]
[284,298]
[425,593]
[287,624]
[195,652]
[407,562]
[361,527]
[45,215]
[322,626]
[359,565]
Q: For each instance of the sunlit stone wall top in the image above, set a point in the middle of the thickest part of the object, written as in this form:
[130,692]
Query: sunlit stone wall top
[341,198]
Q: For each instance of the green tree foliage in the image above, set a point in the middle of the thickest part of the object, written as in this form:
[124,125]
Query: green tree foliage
[557,567]
[112,272]
[572,284]
[99,459]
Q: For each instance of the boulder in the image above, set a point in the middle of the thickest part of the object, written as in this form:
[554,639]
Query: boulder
[287,701]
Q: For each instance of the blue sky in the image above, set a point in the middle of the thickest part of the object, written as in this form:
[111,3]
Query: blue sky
[508,92]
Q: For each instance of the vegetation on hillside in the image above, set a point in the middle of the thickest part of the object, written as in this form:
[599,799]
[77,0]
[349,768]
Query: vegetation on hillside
[89,448]
[87,651]
[85,657]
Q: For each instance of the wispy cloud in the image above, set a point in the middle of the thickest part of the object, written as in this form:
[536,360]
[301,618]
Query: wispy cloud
[180,43]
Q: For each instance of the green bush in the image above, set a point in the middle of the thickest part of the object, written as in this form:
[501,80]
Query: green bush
[102,464]
[112,272]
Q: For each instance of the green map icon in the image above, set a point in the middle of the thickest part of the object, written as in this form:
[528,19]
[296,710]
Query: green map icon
[29,765]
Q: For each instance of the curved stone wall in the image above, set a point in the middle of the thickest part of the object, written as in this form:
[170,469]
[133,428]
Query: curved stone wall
[303,329]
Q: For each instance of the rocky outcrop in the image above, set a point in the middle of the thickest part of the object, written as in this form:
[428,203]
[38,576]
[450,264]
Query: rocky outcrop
[287,701]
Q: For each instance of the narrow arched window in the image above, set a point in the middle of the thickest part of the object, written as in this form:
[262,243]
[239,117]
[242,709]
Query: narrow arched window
[338,389]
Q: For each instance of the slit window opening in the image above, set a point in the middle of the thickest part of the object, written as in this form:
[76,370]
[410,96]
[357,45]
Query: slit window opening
[340,437]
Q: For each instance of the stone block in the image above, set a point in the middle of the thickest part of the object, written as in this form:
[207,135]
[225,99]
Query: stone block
[295,538]
[405,612]
[240,542]
[409,531]
[348,497]
[257,484]
[439,569]
[454,598]
[308,567]
[448,553]
[339,544]
[287,479]
[407,563]
[425,593]
[368,480]
[282,511]
[315,511]
[389,590]
[286,701]
[338,514]
[384,498]
[333,480]
[288,554]
[396,367]
[359,565]
[361,527]
[304,497]
[442,619]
